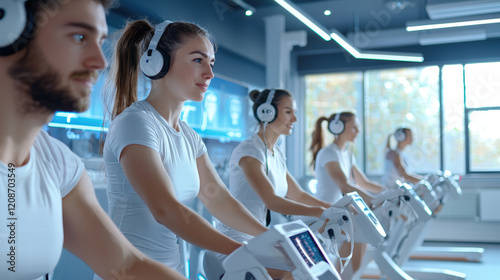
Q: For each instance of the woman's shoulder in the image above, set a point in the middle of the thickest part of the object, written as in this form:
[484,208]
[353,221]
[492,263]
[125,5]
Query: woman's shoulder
[188,131]
[391,154]
[327,154]
[253,141]
[329,149]
[136,113]
[249,147]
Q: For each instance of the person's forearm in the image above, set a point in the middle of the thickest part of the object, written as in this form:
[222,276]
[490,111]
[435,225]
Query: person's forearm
[144,268]
[367,197]
[290,207]
[193,228]
[233,214]
[413,178]
[372,187]
[311,200]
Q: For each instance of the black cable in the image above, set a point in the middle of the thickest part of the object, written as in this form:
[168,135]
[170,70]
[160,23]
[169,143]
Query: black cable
[268,214]
[268,218]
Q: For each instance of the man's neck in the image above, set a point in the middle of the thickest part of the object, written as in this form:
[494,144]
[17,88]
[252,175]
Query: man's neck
[18,130]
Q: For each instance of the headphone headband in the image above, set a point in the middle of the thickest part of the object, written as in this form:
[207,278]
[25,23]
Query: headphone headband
[159,29]
[337,117]
[270,96]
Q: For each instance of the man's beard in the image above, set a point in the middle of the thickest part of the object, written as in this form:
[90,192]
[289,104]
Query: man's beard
[41,85]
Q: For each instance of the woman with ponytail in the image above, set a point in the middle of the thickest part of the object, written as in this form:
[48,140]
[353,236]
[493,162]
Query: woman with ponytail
[259,177]
[335,165]
[395,167]
[155,162]
[337,172]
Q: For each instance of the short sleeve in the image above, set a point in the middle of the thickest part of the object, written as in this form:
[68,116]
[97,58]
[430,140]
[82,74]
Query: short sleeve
[132,128]
[248,149]
[327,155]
[194,138]
[67,165]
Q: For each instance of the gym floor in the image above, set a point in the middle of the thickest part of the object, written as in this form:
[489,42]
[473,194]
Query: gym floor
[487,269]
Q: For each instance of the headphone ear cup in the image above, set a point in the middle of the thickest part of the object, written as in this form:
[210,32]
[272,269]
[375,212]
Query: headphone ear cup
[16,27]
[155,65]
[400,135]
[336,127]
[266,113]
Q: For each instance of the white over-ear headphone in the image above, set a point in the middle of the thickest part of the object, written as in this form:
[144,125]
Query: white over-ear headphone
[336,126]
[155,63]
[266,112]
[16,26]
[400,134]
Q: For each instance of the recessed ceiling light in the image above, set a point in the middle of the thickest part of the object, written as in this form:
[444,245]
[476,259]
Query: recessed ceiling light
[327,12]
[248,13]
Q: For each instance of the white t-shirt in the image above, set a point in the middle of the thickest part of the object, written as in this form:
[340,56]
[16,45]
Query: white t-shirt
[31,234]
[391,173]
[328,190]
[142,124]
[240,188]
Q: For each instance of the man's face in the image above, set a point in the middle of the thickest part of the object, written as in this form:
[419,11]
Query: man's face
[61,64]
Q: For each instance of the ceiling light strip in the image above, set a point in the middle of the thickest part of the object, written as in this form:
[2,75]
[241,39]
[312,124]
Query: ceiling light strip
[430,26]
[300,15]
[393,56]
[342,41]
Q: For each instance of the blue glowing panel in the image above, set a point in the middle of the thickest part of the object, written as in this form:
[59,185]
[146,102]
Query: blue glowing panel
[222,113]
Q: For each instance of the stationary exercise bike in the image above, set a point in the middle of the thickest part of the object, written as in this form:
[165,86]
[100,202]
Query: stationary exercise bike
[402,214]
[289,247]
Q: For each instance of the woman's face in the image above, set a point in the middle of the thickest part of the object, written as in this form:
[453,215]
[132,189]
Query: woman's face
[190,72]
[283,124]
[409,137]
[351,129]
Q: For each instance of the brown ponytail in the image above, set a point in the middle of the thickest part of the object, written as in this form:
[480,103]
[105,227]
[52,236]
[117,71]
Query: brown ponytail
[317,140]
[125,69]
[389,142]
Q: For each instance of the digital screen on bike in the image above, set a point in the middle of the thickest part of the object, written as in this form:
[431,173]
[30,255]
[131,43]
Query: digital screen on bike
[308,248]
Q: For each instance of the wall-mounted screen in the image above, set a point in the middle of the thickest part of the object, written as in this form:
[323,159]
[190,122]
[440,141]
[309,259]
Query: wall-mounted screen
[222,113]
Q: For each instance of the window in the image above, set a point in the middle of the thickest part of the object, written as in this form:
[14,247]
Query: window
[482,81]
[328,94]
[406,97]
[482,101]
[452,110]
[484,141]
